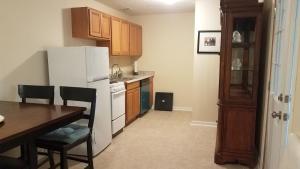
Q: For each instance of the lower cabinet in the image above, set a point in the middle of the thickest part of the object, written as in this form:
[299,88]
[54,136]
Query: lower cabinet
[236,135]
[132,101]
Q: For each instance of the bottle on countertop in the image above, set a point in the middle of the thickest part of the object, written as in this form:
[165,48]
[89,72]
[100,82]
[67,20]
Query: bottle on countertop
[135,68]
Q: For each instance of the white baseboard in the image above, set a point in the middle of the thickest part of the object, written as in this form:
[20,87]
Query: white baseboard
[182,108]
[203,124]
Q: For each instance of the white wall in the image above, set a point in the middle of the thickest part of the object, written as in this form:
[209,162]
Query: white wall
[168,50]
[27,29]
[206,66]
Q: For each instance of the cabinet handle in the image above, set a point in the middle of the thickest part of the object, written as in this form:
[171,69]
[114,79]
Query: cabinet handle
[280,97]
[275,115]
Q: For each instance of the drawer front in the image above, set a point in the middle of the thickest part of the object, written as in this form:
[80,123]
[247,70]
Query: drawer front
[118,124]
[132,85]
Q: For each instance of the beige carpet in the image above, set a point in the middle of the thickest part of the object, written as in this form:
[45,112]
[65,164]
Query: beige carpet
[161,140]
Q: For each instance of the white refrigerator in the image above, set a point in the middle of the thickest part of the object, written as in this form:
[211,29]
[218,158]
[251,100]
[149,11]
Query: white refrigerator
[85,67]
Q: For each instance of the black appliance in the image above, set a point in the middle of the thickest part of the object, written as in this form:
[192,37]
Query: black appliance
[163,101]
[145,96]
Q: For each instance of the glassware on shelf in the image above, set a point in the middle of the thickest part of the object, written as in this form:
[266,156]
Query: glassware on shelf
[236,37]
[236,64]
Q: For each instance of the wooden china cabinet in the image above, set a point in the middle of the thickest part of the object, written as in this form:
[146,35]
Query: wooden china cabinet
[241,22]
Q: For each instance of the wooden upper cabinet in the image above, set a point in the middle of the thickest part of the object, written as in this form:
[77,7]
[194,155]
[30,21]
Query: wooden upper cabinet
[139,40]
[125,38]
[90,24]
[120,37]
[116,36]
[105,26]
[95,23]
[135,40]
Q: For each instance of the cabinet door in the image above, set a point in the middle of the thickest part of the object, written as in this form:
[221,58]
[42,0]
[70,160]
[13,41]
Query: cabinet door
[129,106]
[132,104]
[105,26]
[136,102]
[239,129]
[243,58]
[124,38]
[139,40]
[95,23]
[133,40]
[116,36]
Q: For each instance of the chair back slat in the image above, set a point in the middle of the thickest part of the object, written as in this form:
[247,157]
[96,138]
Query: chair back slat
[36,92]
[82,95]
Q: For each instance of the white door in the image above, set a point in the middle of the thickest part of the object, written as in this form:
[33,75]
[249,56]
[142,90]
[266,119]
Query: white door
[290,152]
[97,63]
[282,85]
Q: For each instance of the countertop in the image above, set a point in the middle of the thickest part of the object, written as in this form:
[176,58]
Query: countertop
[142,75]
[127,78]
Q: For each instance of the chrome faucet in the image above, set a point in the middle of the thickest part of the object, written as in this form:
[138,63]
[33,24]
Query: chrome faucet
[116,74]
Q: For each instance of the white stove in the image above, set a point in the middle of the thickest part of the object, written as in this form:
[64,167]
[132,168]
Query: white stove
[117,91]
[116,87]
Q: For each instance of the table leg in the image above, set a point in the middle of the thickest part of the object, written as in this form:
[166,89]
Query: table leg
[24,152]
[32,154]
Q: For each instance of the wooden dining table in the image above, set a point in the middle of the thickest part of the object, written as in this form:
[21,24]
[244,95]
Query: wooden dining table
[24,122]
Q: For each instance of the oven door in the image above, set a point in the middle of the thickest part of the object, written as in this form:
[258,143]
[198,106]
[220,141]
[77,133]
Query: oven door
[118,104]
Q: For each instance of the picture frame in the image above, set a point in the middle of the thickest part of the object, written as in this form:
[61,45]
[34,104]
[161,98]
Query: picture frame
[209,42]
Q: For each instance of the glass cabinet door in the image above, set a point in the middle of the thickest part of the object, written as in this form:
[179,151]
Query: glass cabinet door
[242,57]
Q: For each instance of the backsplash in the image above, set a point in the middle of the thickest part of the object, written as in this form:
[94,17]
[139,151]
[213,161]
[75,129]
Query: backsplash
[125,63]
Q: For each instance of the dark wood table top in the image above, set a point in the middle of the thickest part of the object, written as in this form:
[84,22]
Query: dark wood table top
[27,121]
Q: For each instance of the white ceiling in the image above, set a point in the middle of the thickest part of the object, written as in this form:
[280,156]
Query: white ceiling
[143,7]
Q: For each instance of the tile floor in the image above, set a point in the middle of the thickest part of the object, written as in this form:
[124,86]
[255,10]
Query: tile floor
[161,140]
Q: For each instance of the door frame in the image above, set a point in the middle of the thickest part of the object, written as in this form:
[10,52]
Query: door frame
[269,40]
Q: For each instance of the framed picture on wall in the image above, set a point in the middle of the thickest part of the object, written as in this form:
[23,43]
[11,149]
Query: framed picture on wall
[209,42]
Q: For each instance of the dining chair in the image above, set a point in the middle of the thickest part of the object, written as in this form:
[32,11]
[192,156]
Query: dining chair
[12,163]
[35,92]
[66,138]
